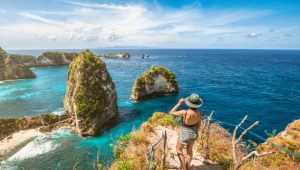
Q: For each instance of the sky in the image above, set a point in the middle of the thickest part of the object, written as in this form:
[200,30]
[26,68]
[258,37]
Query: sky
[71,24]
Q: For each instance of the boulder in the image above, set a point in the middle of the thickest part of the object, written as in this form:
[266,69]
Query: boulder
[90,97]
[157,81]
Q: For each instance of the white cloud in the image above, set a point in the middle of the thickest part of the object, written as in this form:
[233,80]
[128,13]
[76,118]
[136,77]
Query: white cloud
[254,35]
[86,25]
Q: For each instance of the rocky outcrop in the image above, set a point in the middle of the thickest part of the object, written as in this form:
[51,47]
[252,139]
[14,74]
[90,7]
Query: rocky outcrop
[55,58]
[91,97]
[14,66]
[157,81]
[13,72]
[115,55]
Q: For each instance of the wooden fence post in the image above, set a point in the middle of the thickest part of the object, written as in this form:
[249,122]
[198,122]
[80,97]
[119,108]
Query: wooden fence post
[207,135]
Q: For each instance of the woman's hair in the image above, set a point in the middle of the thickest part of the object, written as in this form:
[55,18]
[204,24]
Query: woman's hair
[193,108]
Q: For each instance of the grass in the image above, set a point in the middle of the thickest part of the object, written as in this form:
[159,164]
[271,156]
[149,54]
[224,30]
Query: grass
[289,139]
[131,151]
[163,119]
[219,146]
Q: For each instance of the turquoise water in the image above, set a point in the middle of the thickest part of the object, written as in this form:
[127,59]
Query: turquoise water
[263,84]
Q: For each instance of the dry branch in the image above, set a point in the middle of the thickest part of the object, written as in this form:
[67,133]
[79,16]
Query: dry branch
[238,164]
[256,154]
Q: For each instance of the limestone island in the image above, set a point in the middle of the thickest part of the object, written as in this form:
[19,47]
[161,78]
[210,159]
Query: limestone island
[157,81]
[15,66]
[91,97]
[123,55]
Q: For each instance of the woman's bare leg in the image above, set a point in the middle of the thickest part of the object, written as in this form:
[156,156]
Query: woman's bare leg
[179,148]
[189,157]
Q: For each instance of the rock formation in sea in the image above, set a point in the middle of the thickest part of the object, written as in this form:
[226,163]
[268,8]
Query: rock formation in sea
[13,66]
[91,97]
[115,55]
[157,81]
[55,58]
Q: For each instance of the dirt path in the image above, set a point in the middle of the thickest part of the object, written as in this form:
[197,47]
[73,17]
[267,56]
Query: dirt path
[172,159]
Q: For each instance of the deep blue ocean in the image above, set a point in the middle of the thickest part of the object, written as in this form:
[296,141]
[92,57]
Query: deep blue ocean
[263,84]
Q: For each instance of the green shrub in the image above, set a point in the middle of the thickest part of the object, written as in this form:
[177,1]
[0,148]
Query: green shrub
[163,119]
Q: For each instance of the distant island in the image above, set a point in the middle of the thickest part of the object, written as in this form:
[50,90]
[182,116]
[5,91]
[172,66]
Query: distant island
[121,55]
[15,66]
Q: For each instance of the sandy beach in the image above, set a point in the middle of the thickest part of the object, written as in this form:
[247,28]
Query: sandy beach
[17,139]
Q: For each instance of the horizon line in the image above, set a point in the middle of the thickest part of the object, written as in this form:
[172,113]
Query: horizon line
[154,48]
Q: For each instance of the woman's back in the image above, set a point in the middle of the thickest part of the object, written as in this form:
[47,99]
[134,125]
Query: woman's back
[192,117]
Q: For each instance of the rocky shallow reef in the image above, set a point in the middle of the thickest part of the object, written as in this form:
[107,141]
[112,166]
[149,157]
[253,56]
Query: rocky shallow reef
[91,97]
[157,81]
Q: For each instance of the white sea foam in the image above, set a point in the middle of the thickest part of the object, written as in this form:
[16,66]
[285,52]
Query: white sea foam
[38,146]
[61,132]
[59,111]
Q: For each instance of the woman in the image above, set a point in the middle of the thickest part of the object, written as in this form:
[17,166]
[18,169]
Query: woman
[191,122]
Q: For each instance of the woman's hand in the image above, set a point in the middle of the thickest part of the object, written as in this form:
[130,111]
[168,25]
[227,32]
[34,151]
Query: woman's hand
[174,110]
[181,101]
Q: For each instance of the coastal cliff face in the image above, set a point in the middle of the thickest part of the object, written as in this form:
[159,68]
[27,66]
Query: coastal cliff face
[157,81]
[12,66]
[116,55]
[55,58]
[91,97]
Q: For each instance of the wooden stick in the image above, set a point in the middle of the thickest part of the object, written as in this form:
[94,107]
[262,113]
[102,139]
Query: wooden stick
[256,154]
[245,131]
[207,135]
[233,142]
[164,154]
[202,133]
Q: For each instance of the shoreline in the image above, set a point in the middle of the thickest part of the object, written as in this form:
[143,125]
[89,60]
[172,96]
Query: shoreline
[16,140]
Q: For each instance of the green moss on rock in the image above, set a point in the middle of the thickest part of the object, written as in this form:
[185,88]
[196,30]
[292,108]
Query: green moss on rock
[91,96]
[146,81]
[13,66]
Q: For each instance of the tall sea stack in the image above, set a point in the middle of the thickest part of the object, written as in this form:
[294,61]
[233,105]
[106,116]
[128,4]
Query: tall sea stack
[91,97]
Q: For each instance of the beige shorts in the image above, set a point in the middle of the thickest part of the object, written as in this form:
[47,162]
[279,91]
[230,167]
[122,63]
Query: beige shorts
[187,134]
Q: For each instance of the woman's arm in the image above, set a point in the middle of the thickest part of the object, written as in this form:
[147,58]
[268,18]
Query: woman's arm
[175,108]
